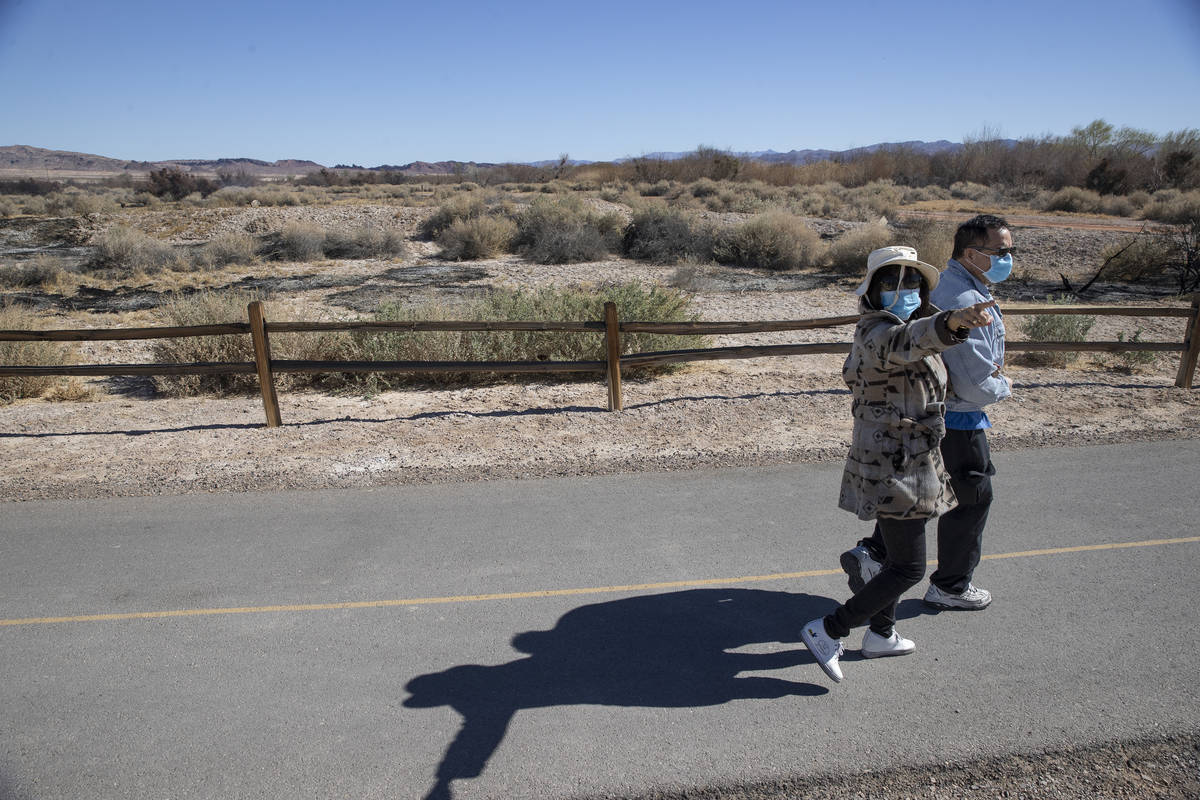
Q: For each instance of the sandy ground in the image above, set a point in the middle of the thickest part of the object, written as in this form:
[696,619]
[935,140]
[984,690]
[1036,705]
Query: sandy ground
[714,414]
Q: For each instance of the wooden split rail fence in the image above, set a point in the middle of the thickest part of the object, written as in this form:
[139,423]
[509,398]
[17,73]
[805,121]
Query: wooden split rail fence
[611,327]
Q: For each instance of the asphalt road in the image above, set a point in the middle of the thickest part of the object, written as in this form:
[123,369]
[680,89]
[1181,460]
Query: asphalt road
[573,637]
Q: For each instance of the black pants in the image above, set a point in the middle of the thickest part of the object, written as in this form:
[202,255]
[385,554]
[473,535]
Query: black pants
[960,531]
[902,569]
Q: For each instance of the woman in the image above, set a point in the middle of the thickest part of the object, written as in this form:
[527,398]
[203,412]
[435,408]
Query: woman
[894,471]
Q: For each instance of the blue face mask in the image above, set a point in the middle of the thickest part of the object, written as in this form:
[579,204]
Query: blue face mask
[1001,268]
[902,303]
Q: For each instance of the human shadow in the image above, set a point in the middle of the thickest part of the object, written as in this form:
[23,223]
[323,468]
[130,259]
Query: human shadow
[661,651]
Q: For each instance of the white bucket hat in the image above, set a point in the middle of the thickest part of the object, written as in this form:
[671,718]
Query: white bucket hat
[897,254]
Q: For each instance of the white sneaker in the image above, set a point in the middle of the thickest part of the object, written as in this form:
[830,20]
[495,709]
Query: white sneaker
[825,649]
[876,646]
[859,567]
[972,599]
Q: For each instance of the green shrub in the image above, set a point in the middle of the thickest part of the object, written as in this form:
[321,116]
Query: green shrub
[665,236]
[477,237]
[848,253]
[775,240]
[16,354]
[574,304]
[1132,360]
[123,248]
[1055,328]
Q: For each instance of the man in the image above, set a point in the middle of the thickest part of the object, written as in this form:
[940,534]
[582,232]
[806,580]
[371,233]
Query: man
[982,256]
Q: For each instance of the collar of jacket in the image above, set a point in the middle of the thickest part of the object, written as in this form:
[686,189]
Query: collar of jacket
[960,272]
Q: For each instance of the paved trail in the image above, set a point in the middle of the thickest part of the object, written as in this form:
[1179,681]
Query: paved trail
[560,638]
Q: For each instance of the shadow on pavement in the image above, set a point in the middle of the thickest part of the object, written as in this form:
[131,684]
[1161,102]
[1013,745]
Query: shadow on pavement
[661,651]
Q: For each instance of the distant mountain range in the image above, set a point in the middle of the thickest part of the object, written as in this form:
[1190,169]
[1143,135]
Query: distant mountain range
[38,162]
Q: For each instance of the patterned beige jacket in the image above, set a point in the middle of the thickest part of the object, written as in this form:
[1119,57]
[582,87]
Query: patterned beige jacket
[898,384]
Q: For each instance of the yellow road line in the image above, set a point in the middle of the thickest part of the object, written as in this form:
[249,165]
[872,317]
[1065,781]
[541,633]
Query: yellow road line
[475,598]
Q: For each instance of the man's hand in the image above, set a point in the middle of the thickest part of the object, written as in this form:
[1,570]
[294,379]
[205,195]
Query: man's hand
[975,316]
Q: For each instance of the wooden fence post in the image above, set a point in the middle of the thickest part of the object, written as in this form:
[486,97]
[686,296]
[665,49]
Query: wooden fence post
[1191,347]
[612,341]
[262,360]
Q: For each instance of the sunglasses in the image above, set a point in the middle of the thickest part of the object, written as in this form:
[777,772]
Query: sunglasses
[888,277]
[1000,251]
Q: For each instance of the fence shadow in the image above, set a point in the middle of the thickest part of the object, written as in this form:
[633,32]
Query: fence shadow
[424,415]
[659,651]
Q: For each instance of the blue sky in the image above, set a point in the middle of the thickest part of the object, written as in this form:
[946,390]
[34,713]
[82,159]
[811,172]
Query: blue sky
[371,82]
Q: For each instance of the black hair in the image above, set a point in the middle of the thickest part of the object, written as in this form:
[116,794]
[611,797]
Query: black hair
[975,232]
[875,288]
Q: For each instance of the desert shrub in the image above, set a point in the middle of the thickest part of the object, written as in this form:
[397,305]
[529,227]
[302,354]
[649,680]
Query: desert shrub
[933,240]
[48,354]
[966,190]
[211,308]
[300,241]
[84,204]
[775,240]
[918,194]
[657,189]
[122,248]
[664,236]
[368,241]
[225,249]
[576,304]
[705,187]
[454,209]
[848,253]
[874,200]
[9,207]
[41,270]
[1074,199]
[34,206]
[477,237]
[1055,328]
[1147,256]
[1138,199]
[1116,205]
[816,201]
[175,184]
[1131,360]
[1173,207]
[564,231]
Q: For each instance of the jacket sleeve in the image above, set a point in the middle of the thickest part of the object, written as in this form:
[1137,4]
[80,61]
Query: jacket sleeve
[971,366]
[898,344]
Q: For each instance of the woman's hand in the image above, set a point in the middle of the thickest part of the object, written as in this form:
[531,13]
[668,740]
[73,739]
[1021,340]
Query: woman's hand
[975,316]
